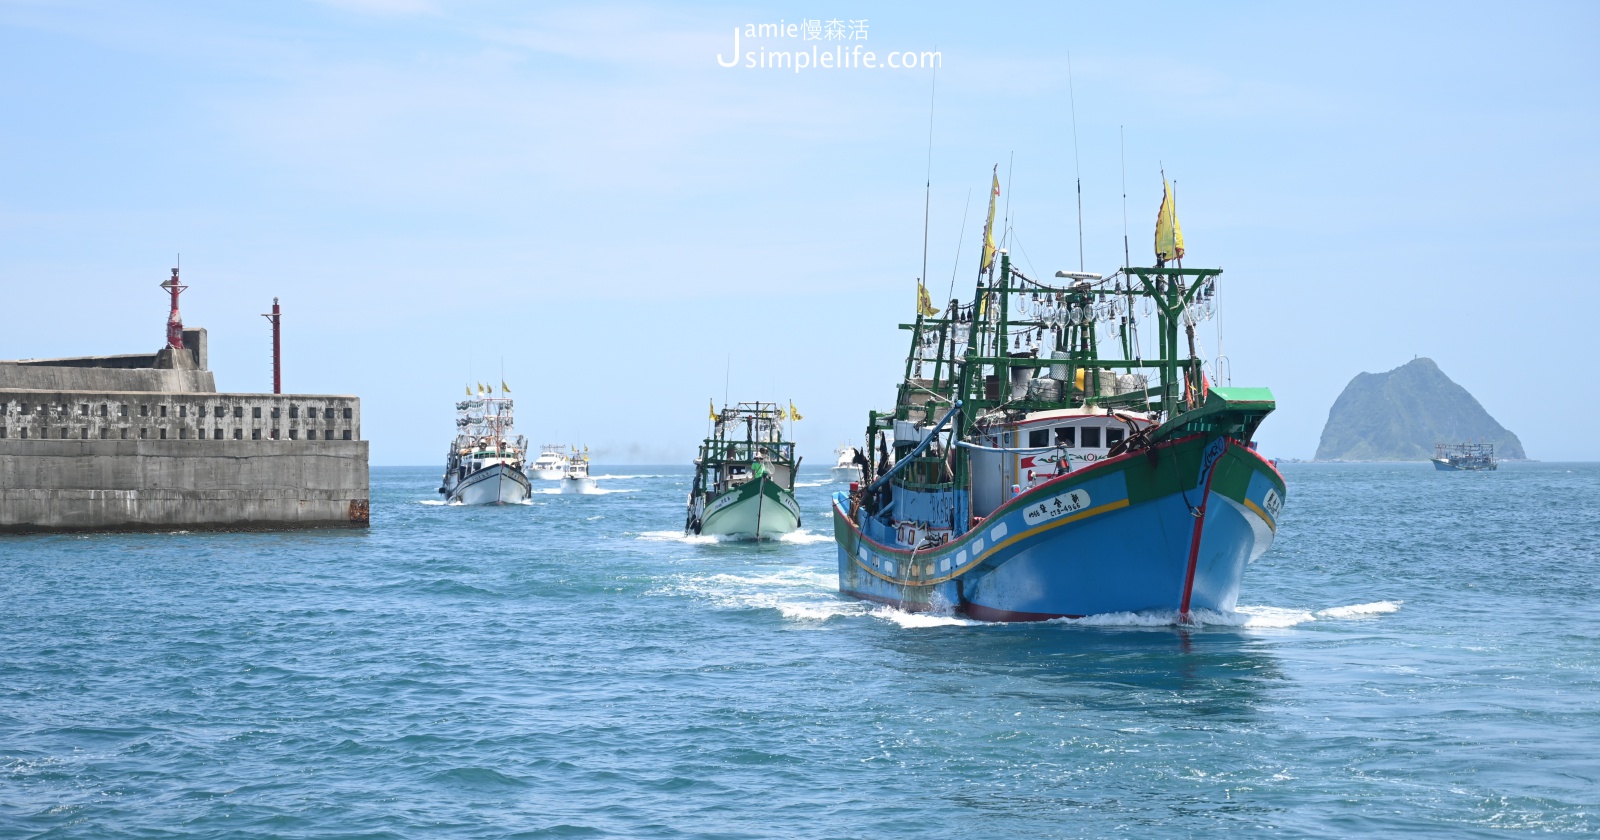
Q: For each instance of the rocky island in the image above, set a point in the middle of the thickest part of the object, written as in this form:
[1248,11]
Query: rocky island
[1401,414]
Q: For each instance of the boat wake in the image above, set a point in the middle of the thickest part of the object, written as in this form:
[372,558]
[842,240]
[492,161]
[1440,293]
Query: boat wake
[812,483]
[1249,617]
[681,537]
[443,503]
[626,477]
[804,537]
[797,594]
[598,491]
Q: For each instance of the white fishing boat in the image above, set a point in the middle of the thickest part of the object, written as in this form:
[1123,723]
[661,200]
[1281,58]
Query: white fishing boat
[846,470]
[486,458]
[575,478]
[551,464]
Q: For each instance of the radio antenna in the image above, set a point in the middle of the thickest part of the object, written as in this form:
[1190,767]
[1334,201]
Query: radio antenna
[927,195]
[1123,140]
[1077,169]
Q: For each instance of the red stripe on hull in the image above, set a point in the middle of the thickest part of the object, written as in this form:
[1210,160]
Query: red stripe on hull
[1194,541]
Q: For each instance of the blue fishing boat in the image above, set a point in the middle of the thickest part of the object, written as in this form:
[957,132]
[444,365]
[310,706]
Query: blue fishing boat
[1022,475]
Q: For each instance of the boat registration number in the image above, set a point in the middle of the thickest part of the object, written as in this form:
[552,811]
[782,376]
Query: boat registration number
[1272,502]
[1041,512]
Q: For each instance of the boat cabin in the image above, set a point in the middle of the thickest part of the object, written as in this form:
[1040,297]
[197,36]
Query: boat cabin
[1042,445]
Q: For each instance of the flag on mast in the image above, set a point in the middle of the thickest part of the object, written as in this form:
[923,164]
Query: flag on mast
[504,388]
[469,390]
[794,413]
[1169,234]
[988,227]
[925,305]
[713,409]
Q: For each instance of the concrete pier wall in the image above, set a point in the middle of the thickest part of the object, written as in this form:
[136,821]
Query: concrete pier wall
[29,414]
[109,485]
[144,442]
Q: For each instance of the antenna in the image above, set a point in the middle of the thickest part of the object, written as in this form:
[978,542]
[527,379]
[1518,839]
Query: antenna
[927,195]
[959,239]
[1005,234]
[1076,168]
[1122,140]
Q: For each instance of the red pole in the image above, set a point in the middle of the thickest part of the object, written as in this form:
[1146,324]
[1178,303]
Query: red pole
[277,347]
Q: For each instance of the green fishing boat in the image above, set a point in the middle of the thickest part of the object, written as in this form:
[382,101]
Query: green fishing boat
[744,475]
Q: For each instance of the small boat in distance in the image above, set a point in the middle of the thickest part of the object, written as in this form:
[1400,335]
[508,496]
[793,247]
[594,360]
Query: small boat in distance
[551,464]
[847,469]
[744,476]
[1464,456]
[485,462]
[575,478]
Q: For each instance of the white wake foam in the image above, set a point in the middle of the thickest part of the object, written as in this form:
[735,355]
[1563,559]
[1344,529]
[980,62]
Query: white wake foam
[598,491]
[681,537]
[1361,610]
[804,537]
[811,483]
[796,594]
[1250,617]
[918,620]
[627,477]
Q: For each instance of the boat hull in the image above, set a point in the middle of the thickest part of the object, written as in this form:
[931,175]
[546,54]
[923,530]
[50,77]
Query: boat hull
[496,484]
[578,486]
[1168,529]
[555,474]
[757,509]
[1442,464]
[844,474]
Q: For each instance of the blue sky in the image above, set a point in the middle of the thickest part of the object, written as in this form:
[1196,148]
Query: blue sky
[582,191]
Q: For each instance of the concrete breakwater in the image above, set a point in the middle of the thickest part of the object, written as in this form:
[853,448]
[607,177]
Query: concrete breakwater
[146,443]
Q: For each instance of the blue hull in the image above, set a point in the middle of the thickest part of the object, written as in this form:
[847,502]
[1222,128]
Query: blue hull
[1094,552]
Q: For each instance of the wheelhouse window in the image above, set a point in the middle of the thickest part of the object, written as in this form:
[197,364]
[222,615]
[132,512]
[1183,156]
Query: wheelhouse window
[1039,438]
[1114,437]
[1091,437]
[1066,436]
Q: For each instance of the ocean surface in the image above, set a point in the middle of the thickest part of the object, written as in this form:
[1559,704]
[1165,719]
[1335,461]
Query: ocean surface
[1418,655]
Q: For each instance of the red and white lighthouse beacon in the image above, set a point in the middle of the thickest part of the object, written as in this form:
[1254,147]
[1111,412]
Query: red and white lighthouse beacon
[175,320]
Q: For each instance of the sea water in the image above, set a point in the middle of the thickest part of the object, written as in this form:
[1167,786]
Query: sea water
[1417,655]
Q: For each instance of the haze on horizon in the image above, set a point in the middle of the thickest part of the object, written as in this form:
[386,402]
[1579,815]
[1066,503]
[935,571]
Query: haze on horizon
[582,196]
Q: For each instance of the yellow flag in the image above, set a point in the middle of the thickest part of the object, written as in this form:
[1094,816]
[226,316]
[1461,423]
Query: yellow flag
[481,389]
[504,388]
[1169,234]
[794,413]
[713,409]
[469,390]
[988,227]
[925,305]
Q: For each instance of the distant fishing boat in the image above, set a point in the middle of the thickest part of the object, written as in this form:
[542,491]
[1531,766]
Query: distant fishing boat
[846,469]
[1464,456]
[1020,477]
[485,463]
[744,475]
[575,478]
[551,464]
